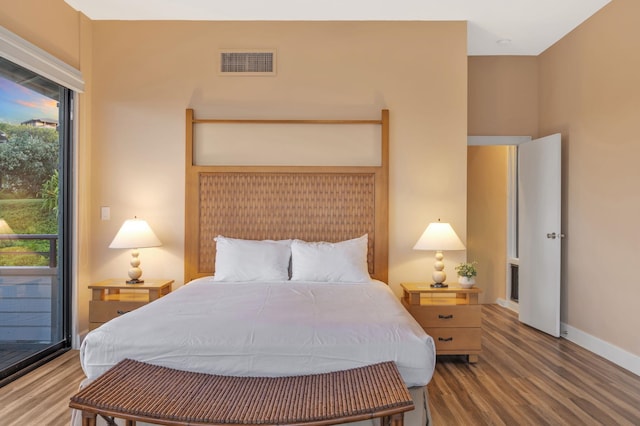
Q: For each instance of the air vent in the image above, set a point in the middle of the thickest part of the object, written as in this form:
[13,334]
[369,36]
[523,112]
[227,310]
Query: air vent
[247,62]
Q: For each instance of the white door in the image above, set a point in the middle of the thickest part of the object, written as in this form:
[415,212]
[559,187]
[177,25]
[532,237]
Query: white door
[539,233]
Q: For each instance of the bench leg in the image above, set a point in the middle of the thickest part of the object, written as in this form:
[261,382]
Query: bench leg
[393,420]
[88,419]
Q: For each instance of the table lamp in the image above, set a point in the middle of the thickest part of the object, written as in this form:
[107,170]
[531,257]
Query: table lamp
[439,236]
[5,228]
[134,234]
[6,233]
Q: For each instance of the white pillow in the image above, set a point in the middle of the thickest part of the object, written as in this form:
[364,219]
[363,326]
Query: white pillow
[345,261]
[251,260]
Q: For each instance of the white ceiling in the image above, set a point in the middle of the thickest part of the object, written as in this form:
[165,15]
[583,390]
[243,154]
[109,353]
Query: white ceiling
[530,26]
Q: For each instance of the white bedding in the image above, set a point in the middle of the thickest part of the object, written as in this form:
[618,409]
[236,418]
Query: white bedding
[266,329]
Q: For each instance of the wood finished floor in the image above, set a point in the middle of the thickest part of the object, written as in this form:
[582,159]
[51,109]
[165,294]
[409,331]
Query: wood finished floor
[523,377]
[42,396]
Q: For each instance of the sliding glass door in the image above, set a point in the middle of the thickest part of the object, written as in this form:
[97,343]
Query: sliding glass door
[35,221]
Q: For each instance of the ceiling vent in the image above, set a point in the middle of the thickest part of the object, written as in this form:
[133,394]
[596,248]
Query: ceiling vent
[247,62]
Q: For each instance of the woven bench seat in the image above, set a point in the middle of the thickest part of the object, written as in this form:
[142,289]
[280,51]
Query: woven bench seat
[136,391]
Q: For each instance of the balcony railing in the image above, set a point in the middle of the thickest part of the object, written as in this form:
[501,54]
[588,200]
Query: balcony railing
[51,254]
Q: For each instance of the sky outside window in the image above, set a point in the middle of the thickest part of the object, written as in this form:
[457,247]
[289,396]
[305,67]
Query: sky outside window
[19,104]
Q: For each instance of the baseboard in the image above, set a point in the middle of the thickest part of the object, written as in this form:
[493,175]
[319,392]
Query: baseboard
[509,304]
[77,342]
[598,346]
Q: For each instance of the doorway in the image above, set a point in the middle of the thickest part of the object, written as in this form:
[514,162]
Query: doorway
[492,214]
[529,240]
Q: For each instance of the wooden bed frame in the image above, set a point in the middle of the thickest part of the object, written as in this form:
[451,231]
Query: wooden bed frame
[312,203]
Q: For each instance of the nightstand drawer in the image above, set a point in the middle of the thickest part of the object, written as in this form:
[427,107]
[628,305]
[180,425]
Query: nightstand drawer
[456,339]
[103,311]
[446,315]
[451,315]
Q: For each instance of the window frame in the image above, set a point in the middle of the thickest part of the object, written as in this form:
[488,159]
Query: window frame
[21,52]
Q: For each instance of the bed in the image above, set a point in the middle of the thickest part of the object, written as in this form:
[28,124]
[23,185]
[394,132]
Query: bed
[286,269]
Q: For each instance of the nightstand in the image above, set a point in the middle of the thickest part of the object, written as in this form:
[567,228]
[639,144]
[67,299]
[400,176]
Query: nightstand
[450,315]
[108,302]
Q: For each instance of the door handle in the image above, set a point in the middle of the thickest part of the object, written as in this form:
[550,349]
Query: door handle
[553,235]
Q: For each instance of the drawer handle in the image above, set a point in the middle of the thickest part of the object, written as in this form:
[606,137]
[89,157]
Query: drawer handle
[120,312]
[445,339]
[450,316]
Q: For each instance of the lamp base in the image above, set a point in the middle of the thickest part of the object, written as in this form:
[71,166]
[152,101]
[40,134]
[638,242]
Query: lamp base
[439,285]
[135,281]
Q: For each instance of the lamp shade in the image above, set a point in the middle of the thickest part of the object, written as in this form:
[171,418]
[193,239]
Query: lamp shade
[439,236]
[5,228]
[135,233]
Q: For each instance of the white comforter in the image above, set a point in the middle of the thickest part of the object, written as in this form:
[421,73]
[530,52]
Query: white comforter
[266,329]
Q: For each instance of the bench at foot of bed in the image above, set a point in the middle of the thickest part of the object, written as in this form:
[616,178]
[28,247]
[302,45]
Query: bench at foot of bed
[136,391]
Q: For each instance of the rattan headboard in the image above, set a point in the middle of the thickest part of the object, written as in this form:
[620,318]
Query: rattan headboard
[312,203]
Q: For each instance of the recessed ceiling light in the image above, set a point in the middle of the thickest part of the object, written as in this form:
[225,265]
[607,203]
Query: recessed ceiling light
[503,41]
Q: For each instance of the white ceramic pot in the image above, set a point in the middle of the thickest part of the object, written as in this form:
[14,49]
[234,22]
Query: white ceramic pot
[466,282]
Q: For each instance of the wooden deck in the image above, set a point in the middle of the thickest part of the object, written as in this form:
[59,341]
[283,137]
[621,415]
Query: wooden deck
[12,353]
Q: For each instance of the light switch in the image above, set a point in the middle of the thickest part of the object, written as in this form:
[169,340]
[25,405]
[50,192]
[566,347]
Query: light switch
[105,213]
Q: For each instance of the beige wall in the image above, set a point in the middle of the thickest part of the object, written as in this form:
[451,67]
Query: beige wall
[503,96]
[503,101]
[146,73]
[590,92]
[142,75]
[51,25]
[84,214]
[586,87]
[487,218]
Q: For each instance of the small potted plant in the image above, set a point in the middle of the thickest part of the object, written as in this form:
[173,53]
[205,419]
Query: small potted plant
[467,274]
